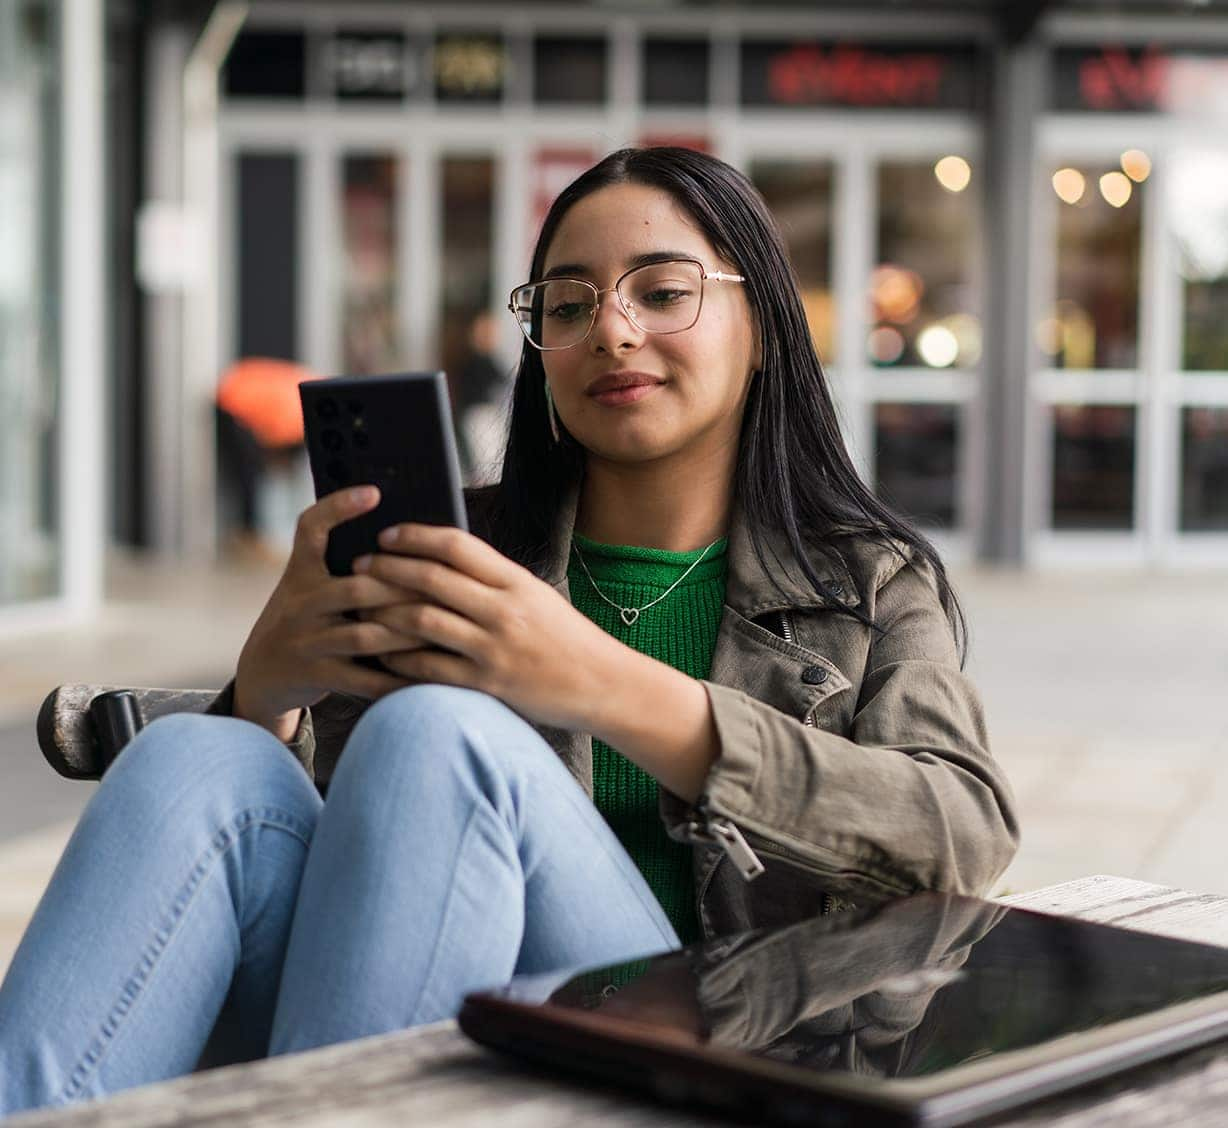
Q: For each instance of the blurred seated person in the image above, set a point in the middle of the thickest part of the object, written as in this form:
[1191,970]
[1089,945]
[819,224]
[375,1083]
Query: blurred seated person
[259,428]
[478,385]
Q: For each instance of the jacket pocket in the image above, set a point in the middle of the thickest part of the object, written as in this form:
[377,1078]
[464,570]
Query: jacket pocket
[789,677]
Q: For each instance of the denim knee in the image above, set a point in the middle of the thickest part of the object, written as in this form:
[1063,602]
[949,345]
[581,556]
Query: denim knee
[400,738]
[194,757]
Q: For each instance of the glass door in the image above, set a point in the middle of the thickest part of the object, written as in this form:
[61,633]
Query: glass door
[30,419]
[923,342]
[883,240]
[1129,458]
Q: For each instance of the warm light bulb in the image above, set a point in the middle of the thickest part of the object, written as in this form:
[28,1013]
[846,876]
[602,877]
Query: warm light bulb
[953,173]
[1136,165]
[938,346]
[886,345]
[1069,184]
[1116,188]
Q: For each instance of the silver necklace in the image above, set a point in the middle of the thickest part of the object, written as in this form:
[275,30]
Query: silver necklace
[630,614]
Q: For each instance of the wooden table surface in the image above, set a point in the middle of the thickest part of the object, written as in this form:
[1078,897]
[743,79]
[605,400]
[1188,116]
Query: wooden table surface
[434,1076]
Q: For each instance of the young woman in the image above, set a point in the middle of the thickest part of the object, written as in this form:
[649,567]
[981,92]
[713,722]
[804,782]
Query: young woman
[686,675]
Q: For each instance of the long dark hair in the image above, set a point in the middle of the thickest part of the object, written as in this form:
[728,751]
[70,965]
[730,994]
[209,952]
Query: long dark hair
[793,472]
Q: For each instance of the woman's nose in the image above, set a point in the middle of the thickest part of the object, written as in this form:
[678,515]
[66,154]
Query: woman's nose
[613,328]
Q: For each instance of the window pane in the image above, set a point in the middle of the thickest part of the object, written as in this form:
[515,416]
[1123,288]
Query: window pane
[468,195]
[923,308]
[381,65]
[469,68]
[799,195]
[29,289]
[569,70]
[267,64]
[1204,469]
[1094,323]
[1093,467]
[1199,220]
[267,255]
[675,72]
[370,338]
[915,456]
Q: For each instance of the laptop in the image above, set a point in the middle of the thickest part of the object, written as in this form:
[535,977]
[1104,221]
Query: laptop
[928,1010]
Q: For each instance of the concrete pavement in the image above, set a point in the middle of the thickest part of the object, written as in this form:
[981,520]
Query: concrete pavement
[1106,693]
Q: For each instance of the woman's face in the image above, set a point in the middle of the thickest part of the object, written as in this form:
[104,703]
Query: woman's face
[703,372]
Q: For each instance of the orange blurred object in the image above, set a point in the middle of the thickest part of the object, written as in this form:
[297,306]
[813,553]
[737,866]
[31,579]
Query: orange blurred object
[262,394]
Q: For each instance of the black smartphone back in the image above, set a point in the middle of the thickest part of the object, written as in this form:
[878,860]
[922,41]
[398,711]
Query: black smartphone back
[394,432]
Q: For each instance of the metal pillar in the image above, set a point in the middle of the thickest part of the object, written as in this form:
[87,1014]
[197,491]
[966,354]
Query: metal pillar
[1016,90]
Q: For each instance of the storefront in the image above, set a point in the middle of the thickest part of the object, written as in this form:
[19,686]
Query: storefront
[382,180]
[1131,393]
[51,312]
[403,169]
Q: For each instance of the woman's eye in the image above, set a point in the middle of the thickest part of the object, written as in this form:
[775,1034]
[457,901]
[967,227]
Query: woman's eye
[664,296]
[567,311]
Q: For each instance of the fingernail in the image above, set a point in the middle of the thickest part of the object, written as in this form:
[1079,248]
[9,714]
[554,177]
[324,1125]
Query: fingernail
[388,536]
[363,495]
[362,563]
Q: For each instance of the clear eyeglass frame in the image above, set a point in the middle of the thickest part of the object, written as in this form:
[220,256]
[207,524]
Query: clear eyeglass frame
[526,291]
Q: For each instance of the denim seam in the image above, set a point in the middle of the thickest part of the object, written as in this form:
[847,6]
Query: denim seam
[648,903]
[225,838]
[443,916]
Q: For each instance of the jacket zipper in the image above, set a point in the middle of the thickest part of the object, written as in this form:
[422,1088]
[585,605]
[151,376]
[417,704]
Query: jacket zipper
[786,632]
[774,851]
[714,830]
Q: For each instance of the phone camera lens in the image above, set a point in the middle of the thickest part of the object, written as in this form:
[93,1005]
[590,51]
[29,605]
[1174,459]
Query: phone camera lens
[327,409]
[332,440]
[354,407]
[338,471]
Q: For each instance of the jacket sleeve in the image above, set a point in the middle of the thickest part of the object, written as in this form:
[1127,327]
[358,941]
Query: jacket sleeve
[909,799]
[302,747]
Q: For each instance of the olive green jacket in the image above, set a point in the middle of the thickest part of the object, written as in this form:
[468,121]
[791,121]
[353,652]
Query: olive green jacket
[854,763]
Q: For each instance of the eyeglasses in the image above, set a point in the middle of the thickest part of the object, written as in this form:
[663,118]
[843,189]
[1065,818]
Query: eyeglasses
[660,297]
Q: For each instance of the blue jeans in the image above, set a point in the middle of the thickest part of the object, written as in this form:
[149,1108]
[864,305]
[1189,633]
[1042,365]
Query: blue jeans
[207,888]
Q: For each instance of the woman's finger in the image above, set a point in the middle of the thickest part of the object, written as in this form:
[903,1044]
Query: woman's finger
[428,624]
[358,638]
[345,676]
[355,593]
[455,547]
[316,521]
[440,583]
[418,666]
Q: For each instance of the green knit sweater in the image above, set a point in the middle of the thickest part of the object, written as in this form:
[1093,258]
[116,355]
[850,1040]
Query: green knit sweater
[680,631]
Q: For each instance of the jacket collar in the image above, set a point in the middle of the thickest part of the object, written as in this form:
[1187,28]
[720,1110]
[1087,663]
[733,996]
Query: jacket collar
[749,589]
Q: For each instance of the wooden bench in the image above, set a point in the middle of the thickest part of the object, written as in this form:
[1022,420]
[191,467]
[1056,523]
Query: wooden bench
[434,1075]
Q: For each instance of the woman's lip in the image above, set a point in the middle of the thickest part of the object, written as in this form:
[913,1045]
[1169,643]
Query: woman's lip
[617,396]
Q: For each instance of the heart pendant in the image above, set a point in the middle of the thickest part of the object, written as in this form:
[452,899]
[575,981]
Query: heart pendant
[629,615]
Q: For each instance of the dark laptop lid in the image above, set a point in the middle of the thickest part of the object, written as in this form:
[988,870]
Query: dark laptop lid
[928,1009]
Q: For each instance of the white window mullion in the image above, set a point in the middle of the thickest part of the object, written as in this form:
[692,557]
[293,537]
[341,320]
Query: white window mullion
[81,465]
[422,255]
[1156,503]
[854,210]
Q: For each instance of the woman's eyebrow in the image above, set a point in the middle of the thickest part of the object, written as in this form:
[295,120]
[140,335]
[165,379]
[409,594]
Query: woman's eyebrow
[577,269]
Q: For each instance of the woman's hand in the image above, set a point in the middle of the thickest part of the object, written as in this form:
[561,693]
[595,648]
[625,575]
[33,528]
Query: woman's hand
[510,634]
[302,644]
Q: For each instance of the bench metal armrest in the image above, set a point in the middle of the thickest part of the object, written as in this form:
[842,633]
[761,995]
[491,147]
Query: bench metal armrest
[66,731]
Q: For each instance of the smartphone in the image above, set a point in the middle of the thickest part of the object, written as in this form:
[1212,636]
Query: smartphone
[394,432]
